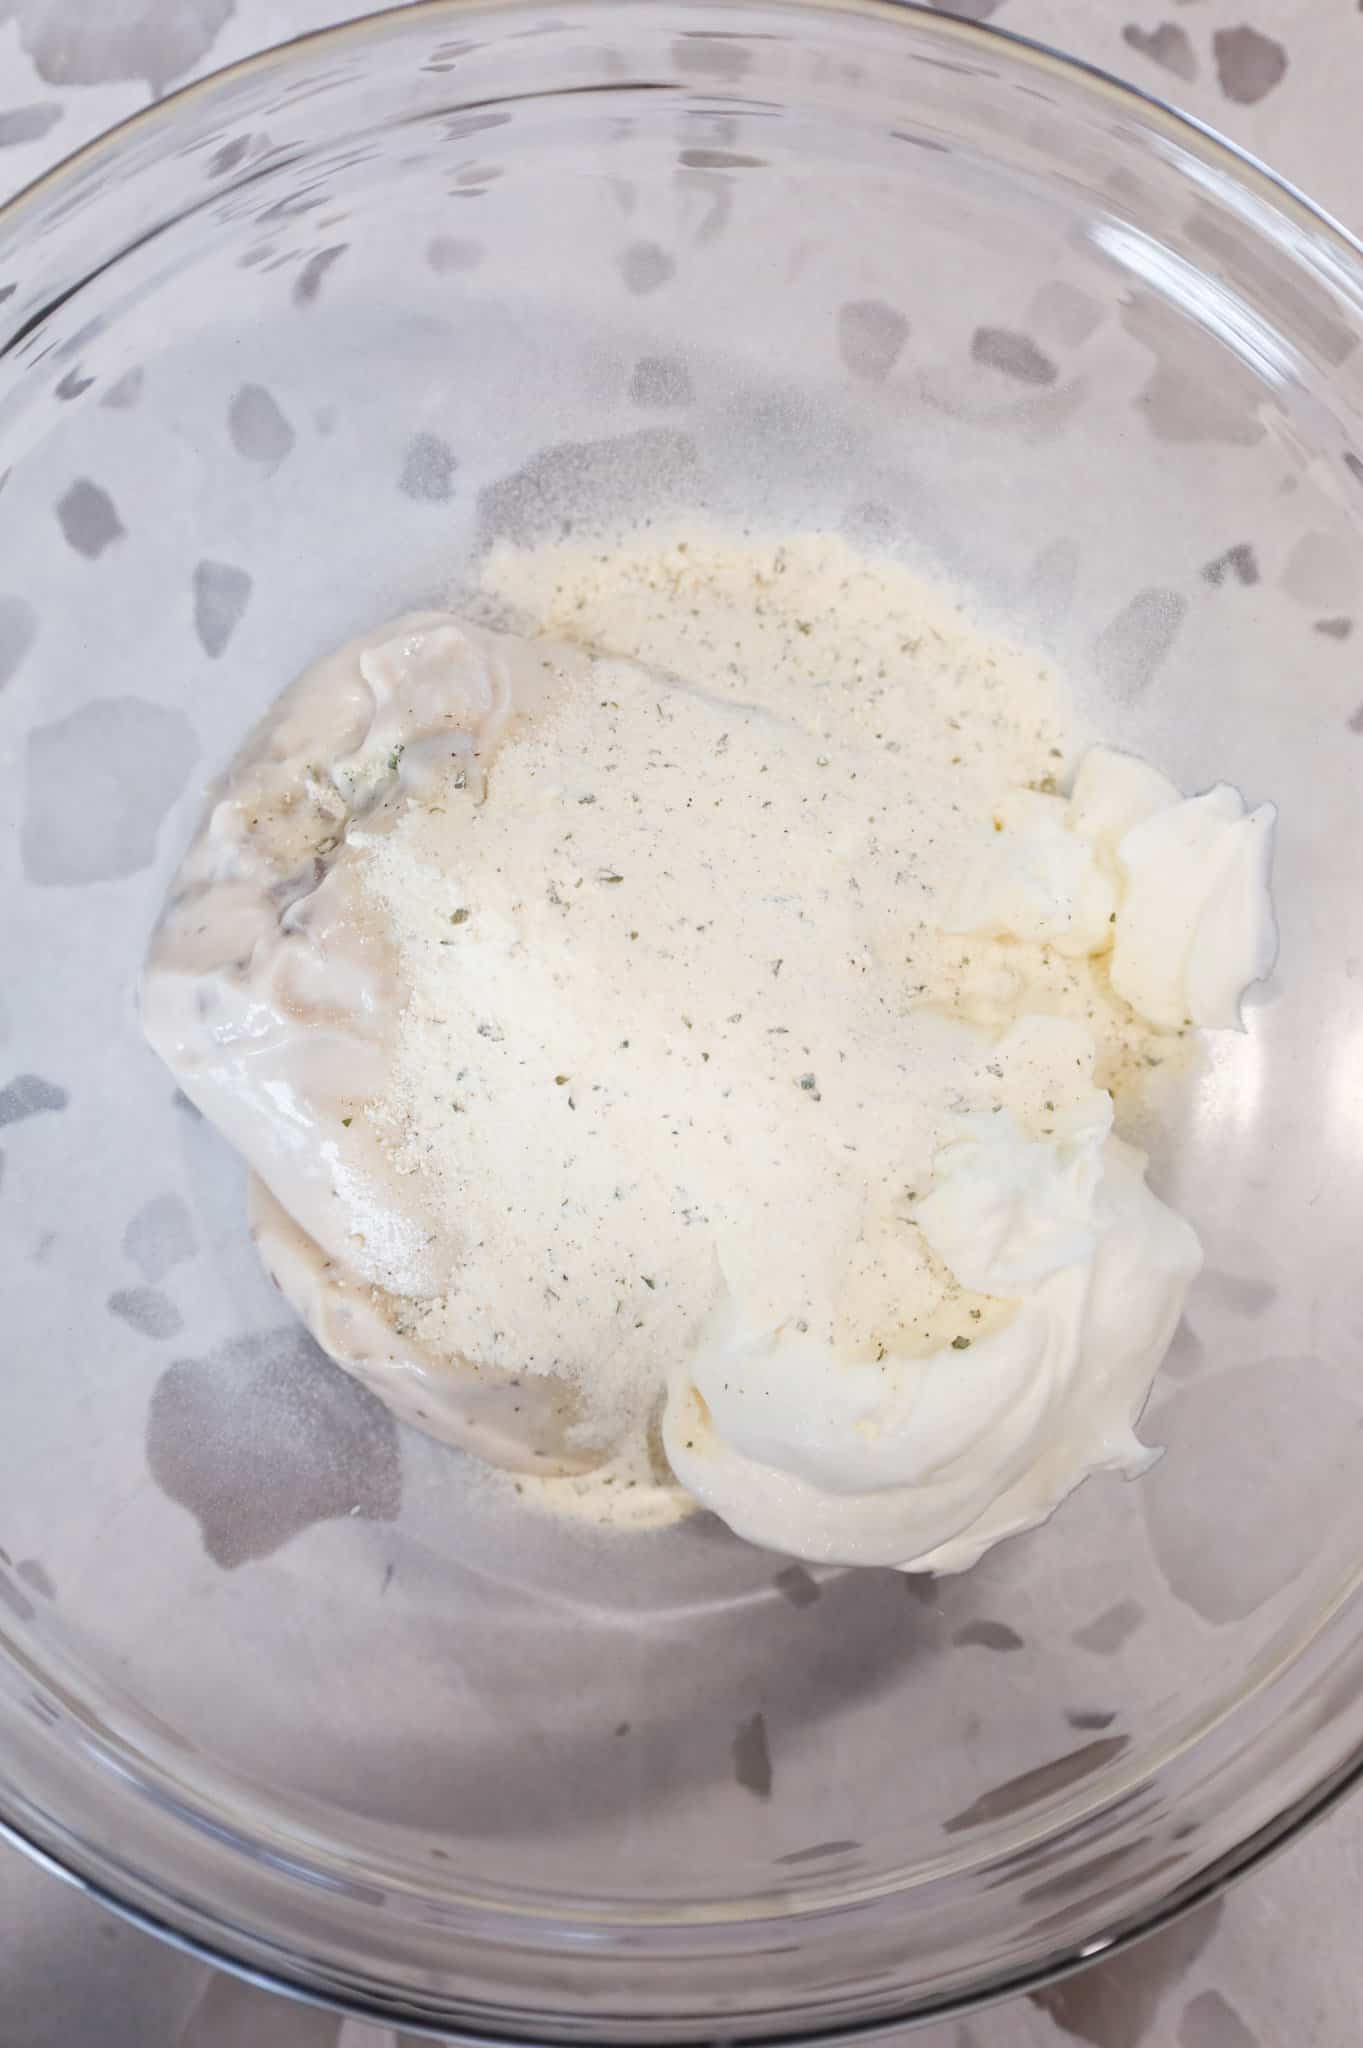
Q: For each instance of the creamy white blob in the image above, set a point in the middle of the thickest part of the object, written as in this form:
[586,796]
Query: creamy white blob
[1177,888]
[611,1077]
[923,1461]
[273,993]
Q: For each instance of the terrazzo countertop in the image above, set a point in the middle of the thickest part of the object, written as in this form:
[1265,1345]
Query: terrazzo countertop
[1277,1963]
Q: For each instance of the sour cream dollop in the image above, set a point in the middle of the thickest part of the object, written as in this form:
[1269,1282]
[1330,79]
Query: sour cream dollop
[925,1461]
[1176,888]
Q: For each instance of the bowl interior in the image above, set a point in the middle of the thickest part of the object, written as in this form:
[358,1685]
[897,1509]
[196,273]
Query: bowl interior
[281,359]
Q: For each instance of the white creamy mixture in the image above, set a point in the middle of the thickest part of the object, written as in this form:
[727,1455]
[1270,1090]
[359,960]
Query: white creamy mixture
[699,1038]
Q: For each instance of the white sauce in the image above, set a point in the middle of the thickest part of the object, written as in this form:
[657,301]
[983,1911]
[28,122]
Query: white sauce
[593,1033]
[1176,887]
[273,994]
[924,1462]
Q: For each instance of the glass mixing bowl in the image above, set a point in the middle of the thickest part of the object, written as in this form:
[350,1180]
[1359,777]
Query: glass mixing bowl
[277,359]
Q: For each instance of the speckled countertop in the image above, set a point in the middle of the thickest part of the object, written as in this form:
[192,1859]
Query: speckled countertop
[1277,1963]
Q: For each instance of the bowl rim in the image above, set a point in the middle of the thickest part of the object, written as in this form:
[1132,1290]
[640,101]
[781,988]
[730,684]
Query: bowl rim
[1257,1850]
[952,27]
[1250,173]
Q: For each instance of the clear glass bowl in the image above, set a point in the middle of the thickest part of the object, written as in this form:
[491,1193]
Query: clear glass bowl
[276,360]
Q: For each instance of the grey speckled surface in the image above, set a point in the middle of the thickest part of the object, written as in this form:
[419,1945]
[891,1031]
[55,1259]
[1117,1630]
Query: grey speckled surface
[1274,1965]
